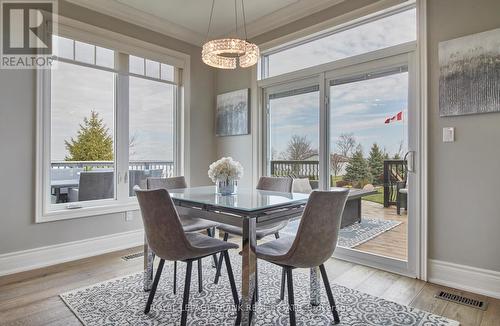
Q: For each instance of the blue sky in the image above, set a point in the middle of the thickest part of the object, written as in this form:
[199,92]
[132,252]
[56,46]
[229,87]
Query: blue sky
[359,108]
[77,90]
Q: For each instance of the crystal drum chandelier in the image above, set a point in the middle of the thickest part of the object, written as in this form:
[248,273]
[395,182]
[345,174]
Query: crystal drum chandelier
[227,52]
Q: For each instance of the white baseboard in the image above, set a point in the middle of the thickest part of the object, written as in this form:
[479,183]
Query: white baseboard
[466,278]
[25,260]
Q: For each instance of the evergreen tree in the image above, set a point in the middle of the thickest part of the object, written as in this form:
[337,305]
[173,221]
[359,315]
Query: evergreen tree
[376,163]
[93,141]
[357,170]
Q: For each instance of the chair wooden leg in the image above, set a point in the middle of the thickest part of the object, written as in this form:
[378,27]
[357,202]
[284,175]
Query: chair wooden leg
[219,262]
[200,277]
[185,300]
[291,299]
[230,275]
[283,280]
[234,291]
[211,233]
[175,276]
[155,285]
[256,294]
[252,306]
[329,294]
[398,204]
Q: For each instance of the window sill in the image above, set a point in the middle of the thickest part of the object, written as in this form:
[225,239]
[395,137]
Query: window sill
[66,214]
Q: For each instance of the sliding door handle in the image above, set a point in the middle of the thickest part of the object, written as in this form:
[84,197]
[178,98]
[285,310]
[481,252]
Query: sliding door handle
[410,161]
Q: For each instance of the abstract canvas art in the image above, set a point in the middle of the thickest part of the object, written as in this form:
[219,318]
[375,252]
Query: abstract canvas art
[232,116]
[469,80]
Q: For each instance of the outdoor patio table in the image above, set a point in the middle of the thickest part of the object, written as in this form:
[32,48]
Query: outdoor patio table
[57,185]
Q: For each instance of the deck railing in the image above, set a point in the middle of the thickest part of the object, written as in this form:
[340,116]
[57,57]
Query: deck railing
[309,169]
[394,173]
[166,166]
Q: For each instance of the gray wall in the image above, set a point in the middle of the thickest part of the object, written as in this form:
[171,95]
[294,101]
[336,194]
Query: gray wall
[17,145]
[464,177]
[238,147]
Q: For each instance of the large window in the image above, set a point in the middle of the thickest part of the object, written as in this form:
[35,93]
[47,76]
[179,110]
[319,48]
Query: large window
[293,115]
[151,119]
[350,123]
[107,122]
[367,36]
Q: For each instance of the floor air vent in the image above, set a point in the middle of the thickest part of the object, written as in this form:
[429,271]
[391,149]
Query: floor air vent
[133,256]
[461,300]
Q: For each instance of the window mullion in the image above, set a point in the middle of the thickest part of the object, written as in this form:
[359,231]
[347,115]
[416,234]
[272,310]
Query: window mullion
[122,127]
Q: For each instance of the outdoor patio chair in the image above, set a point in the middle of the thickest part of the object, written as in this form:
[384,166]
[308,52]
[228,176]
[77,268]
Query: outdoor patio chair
[93,185]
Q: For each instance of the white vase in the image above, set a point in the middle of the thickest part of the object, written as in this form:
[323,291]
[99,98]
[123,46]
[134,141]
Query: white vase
[226,187]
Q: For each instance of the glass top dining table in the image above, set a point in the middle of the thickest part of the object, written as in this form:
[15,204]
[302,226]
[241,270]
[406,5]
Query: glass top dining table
[247,209]
[245,200]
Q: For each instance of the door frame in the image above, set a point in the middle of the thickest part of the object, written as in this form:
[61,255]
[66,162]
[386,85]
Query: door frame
[407,59]
[421,161]
[412,55]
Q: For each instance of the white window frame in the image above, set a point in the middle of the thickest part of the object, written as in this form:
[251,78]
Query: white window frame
[123,46]
[413,54]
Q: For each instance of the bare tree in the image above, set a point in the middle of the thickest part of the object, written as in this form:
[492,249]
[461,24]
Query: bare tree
[337,162]
[399,154]
[345,147]
[300,148]
[132,142]
[346,144]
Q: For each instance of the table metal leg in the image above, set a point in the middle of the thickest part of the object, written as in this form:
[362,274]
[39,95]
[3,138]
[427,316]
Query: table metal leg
[249,267]
[315,288]
[148,266]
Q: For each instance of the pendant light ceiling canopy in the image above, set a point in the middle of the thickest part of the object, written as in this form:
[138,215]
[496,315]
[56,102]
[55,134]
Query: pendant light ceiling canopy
[225,53]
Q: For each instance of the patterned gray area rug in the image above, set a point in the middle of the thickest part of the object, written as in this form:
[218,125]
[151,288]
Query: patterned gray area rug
[356,234]
[121,302]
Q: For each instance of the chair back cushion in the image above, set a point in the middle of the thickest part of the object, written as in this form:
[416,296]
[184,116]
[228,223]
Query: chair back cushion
[94,185]
[281,184]
[302,186]
[167,183]
[318,230]
[164,231]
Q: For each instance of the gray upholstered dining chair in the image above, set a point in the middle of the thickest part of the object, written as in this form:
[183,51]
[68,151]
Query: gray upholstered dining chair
[280,184]
[314,243]
[168,241]
[189,223]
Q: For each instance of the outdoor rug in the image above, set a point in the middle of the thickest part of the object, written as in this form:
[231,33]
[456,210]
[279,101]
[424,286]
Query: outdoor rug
[121,301]
[355,234]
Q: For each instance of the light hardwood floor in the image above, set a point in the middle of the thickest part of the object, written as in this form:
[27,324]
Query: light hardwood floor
[392,243]
[31,298]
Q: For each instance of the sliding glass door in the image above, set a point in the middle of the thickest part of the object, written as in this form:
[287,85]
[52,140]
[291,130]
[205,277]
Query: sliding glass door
[364,141]
[369,146]
[293,130]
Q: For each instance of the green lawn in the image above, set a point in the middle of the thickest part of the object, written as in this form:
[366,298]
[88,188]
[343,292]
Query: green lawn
[376,198]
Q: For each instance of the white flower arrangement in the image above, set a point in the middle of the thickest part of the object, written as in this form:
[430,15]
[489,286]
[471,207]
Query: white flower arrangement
[225,169]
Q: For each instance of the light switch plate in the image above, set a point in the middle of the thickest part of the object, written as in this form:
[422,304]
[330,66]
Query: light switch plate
[448,135]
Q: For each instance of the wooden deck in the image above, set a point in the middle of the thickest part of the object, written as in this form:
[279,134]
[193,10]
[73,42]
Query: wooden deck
[393,243]
[32,298]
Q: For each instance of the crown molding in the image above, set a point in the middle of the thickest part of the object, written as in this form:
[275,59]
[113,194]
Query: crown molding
[123,12]
[285,15]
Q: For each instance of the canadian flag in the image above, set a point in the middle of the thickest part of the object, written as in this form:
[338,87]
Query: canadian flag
[397,117]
